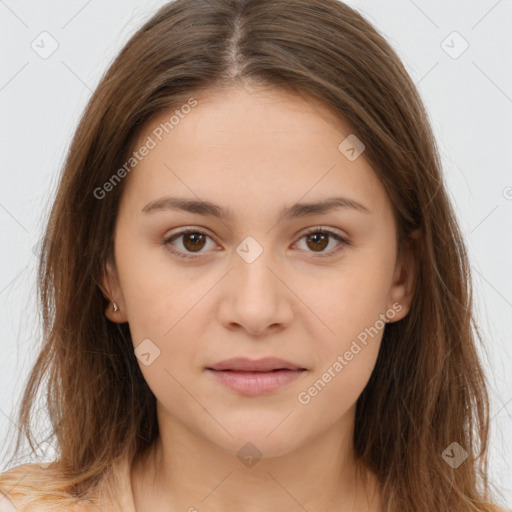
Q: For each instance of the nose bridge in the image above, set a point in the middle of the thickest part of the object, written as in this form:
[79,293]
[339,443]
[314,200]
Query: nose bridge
[252,271]
[256,299]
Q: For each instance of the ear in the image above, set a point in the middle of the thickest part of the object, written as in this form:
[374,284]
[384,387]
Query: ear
[405,276]
[111,289]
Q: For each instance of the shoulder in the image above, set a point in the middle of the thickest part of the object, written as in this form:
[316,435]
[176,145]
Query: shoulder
[6,505]
[32,486]
[40,488]
[16,485]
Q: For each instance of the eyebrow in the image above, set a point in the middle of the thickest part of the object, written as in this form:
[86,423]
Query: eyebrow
[208,208]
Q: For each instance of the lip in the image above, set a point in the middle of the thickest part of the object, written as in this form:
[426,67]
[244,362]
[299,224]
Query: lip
[265,364]
[255,377]
[255,383]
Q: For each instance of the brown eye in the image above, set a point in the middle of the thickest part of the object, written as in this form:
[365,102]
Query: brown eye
[318,239]
[193,241]
[187,242]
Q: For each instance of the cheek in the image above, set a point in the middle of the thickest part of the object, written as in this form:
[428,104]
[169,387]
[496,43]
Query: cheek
[344,303]
[336,387]
[352,305]
[346,357]
[157,292]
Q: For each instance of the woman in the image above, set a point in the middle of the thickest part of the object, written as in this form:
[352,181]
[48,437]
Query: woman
[255,292]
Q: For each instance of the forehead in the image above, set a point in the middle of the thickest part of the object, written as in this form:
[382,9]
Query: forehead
[248,146]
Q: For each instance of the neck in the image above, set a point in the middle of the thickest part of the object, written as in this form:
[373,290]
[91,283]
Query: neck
[183,471]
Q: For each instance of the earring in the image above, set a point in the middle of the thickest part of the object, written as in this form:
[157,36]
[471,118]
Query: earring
[116,308]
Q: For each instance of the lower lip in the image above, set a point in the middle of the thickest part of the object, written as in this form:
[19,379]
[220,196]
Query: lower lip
[255,383]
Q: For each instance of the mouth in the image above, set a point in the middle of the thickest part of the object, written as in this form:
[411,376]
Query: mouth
[265,364]
[255,377]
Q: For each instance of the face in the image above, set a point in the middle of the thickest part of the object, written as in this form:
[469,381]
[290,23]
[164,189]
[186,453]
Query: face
[255,276]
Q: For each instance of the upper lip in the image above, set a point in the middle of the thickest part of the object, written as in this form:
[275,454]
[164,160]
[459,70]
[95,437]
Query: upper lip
[255,365]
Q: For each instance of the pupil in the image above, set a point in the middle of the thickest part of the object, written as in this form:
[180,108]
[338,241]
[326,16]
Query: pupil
[196,238]
[316,236]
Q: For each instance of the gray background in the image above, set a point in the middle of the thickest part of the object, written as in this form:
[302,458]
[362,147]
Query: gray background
[468,95]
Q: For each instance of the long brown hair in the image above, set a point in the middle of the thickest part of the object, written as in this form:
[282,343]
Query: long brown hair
[428,389]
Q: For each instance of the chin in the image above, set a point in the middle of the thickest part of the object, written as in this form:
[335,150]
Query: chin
[259,439]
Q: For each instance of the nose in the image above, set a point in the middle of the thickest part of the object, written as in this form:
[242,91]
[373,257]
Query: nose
[255,298]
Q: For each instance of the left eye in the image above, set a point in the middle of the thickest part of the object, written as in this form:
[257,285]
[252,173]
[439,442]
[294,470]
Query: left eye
[319,238]
[194,240]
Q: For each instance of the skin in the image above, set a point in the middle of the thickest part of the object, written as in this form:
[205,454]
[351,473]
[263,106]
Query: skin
[255,151]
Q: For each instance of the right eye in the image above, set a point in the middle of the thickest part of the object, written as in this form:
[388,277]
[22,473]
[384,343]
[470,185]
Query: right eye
[193,241]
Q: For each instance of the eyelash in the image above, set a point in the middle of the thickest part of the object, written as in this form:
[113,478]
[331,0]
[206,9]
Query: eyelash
[180,254]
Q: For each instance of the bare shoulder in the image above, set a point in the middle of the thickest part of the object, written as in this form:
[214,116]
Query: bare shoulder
[25,470]
[40,487]
[6,505]
[24,484]
[20,476]
[14,484]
